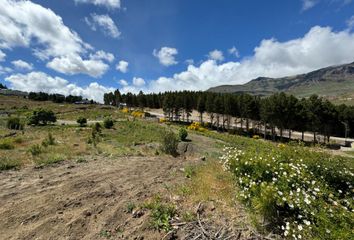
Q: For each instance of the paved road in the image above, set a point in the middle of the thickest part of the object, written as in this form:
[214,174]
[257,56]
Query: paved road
[308,136]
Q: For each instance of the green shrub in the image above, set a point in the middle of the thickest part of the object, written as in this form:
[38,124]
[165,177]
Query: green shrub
[161,214]
[14,123]
[96,128]
[35,150]
[82,121]
[6,145]
[183,134]
[18,140]
[49,140]
[299,193]
[41,116]
[108,123]
[169,143]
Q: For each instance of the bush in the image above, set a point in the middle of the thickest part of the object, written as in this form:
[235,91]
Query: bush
[183,134]
[50,140]
[108,123]
[41,116]
[35,150]
[170,143]
[14,123]
[299,192]
[82,121]
[6,145]
[96,128]
[161,214]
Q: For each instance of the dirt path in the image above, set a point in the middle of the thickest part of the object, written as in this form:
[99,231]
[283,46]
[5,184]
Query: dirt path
[83,200]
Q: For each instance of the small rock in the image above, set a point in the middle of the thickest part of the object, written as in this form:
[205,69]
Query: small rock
[87,213]
[137,213]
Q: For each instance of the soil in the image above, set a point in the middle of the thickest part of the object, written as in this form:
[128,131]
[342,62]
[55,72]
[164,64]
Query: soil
[83,200]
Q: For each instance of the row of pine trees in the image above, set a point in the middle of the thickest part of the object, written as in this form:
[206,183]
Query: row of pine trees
[252,113]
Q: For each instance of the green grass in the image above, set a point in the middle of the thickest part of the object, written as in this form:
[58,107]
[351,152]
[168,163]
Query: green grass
[8,163]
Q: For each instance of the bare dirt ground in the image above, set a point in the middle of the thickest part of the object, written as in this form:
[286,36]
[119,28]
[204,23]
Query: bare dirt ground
[82,200]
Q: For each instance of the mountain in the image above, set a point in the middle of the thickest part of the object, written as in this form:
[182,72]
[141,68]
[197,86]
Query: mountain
[328,82]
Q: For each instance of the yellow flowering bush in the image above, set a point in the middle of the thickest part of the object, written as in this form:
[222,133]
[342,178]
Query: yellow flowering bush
[196,126]
[125,110]
[162,120]
[255,137]
[138,114]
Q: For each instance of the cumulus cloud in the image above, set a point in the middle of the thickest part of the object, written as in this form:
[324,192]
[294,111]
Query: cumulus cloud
[166,56]
[216,55]
[39,81]
[123,82]
[22,65]
[22,22]
[102,55]
[234,51]
[106,3]
[27,24]
[138,82]
[74,64]
[307,4]
[320,47]
[104,23]
[122,66]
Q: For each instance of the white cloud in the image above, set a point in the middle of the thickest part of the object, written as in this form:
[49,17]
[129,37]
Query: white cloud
[166,56]
[23,22]
[5,70]
[234,51]
[22,65]
[104,23]
[27,24]
[123,82]
[39,81]
[307,4]
[2,56]
[74,64]
[105,3]
[138,82]
[350,22]
[216,55]
[320,47]
[122,66]
[189,61]
[102,55]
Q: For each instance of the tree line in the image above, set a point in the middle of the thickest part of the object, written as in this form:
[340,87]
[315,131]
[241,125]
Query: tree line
[56,98]
[252,113]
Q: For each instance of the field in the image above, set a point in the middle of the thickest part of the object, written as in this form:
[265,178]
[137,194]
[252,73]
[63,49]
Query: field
[65,180]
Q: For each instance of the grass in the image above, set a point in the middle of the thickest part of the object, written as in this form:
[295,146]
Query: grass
[6,145]
[8,163]
[161,214]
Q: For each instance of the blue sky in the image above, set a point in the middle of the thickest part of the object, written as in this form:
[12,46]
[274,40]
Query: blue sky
[75,46]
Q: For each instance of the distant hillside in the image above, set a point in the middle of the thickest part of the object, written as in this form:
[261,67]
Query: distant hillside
[11,92]
[329,82]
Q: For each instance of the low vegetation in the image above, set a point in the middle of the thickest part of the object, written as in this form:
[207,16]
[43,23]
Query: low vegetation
[14,123]
[82,121]
[169,143]
[300,193]
[182,134]
[42,117]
